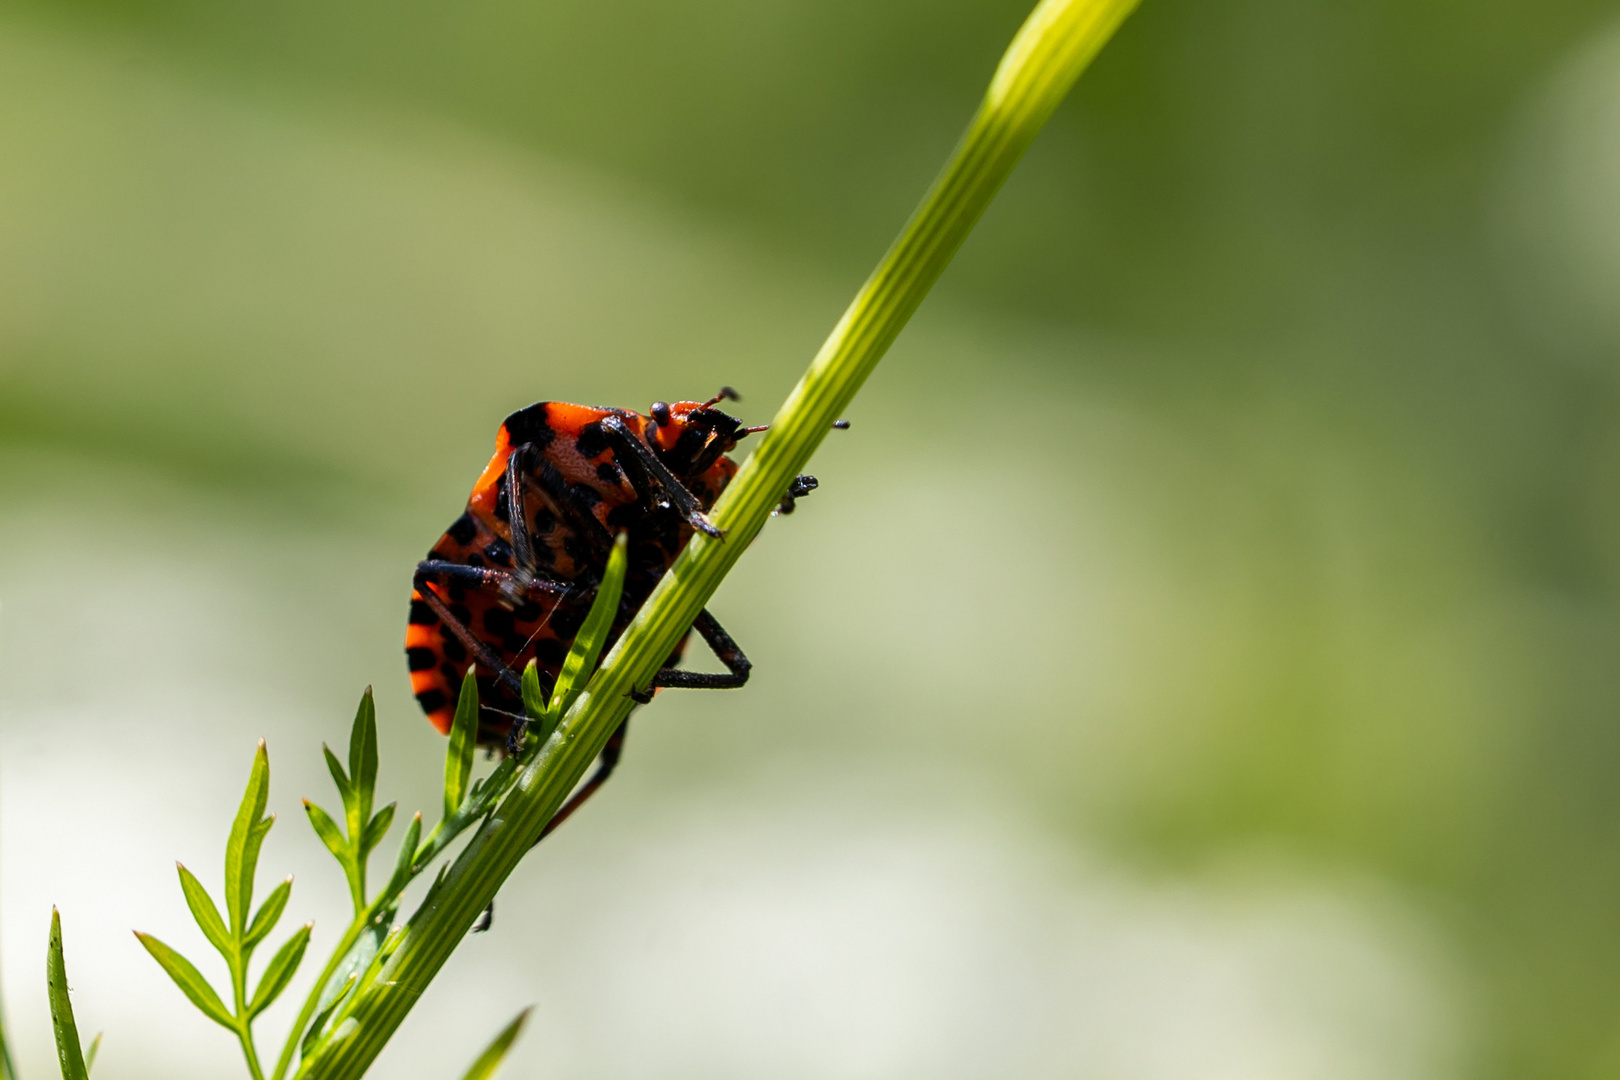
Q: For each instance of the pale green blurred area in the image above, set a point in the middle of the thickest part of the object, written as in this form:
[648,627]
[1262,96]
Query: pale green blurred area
[1202,656]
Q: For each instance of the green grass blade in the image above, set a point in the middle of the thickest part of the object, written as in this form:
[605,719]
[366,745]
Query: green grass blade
[207,915]
[1051,49]
[491,1058]
[269,913]
[587,646]
[280,971]
[68,1052]
[363,763]
[247,834]
[458,758]
[189,980]
[90,1054]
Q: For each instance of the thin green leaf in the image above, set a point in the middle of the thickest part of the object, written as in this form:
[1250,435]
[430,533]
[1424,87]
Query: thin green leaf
[189,980]
[269,912]
[7,1070]
[68,1053]
[344,981]
[207,915]
[377,829]
[587,646]
[355,963]
[363,762]
[329,832]
[280,971]
[90,1054]
[491,1058]
[492,787]
[458,758]
[247,833]
[534,699]
[407,856]
[339,777]
[317,1026]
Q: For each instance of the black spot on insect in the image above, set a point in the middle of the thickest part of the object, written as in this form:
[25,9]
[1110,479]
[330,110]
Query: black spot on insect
[530,426]
[591,440]
[499,552]
[626,515]
[498,621]
[422,615]
[474,559]
[432,700]
[608,473]
[450,672]
[421,659]
[549,652]
[464,529]
[528,612]
[577,548]
[453,649]
[544,522]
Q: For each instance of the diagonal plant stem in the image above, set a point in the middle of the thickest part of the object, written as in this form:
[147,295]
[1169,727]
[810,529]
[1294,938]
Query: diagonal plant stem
[1054,45]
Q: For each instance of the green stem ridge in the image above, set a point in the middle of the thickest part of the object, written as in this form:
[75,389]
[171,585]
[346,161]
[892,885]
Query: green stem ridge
[1052,48]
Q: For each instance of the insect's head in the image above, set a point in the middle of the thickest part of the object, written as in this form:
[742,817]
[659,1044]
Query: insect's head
[690,435]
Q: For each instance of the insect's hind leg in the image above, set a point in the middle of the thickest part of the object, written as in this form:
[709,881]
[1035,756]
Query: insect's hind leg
[605,764]
[725,649]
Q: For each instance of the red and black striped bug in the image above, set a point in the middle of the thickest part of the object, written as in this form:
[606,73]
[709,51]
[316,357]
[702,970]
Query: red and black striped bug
[513,578]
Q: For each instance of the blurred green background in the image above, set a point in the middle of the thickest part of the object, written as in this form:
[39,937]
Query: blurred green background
[1202,658]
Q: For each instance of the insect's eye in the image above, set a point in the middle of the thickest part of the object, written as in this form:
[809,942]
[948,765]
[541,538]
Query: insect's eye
[659,413]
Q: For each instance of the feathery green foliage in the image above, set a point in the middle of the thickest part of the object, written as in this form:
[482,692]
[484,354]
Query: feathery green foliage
[239,930]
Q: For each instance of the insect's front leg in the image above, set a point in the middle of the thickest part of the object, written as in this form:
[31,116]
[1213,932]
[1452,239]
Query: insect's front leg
[651,476]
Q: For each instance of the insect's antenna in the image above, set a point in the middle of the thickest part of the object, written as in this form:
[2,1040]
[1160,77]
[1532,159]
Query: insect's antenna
[726,394]
[841,425]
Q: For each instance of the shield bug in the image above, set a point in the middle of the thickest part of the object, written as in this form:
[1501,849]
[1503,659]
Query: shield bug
[513,577]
